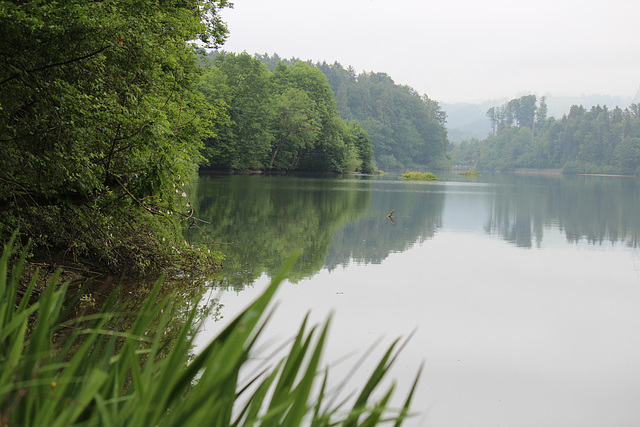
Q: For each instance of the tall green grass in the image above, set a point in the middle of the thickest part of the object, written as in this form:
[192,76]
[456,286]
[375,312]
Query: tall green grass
[60,370]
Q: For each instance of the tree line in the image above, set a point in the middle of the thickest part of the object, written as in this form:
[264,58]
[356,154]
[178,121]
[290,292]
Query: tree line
[595,140]
[407,128]
[283,119]
[296,115]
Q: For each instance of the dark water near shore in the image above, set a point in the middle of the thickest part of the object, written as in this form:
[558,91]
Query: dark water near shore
[523,291]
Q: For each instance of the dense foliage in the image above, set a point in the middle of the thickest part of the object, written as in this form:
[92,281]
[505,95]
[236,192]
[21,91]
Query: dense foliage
[282,119]
[106,373]
[596,140]
[407,129]
[99,123]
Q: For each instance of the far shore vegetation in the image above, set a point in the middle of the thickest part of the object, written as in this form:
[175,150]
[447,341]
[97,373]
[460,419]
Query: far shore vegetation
[595,139]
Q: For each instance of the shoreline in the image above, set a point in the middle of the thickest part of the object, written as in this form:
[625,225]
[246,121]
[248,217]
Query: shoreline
[559,172]
[550,172]
[605,174]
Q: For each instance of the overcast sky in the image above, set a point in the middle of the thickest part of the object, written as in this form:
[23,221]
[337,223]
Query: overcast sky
[456,50]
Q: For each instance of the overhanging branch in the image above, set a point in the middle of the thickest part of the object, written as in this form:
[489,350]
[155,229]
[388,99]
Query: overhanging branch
[30,200]
[56,64]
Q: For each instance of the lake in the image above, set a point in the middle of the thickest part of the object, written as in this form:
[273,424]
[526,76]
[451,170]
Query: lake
[522,292]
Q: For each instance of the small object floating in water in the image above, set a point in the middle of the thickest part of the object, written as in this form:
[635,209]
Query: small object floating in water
[390,218]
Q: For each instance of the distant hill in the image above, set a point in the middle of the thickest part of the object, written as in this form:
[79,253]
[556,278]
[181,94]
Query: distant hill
[467,121]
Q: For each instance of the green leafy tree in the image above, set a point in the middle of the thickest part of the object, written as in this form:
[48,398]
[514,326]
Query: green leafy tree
[296,124]
[285,118]
[362,143]
[99,121]
[216,93]
[493,114]
[306,115]
[627,155]
[334,150]
[541,112]
[526,111]
[405,128]
[242,83]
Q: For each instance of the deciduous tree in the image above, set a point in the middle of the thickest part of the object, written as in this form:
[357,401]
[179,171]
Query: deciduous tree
[98,118]
[297,124]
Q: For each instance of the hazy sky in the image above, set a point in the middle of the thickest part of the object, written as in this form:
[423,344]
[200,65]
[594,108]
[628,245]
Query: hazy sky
[456,50]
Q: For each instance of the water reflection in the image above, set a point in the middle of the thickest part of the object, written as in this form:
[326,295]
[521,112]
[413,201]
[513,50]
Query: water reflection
[592,208]
[259,221]
[417,215]
[522,291]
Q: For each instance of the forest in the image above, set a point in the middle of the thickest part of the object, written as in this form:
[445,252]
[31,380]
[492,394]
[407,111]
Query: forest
[285,119]
[595,140]
[407,129]
[295,115]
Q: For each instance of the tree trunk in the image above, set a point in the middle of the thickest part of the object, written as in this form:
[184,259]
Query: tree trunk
[282,140]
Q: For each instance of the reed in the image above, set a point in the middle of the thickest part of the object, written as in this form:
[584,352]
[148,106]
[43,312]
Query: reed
[57,370]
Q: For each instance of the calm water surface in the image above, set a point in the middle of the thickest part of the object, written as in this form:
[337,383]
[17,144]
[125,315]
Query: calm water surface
[523,292]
